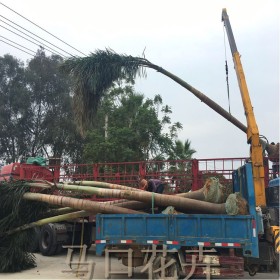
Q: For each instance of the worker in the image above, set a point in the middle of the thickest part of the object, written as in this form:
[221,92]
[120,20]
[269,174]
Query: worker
[152,185]
[273,152]
[156,186]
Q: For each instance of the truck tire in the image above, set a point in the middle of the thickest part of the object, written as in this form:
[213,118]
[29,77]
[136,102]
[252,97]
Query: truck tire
[253,269]
[171,272]
[48,240]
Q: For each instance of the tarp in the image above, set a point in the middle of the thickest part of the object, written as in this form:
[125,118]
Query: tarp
[37,160]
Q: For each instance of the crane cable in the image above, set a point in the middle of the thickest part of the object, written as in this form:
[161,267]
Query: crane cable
[81,247]
[226,68]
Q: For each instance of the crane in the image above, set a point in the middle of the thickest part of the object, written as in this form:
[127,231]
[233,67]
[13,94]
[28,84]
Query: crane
[253,137]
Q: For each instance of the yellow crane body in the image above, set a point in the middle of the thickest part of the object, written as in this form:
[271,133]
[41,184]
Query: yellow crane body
[256,150]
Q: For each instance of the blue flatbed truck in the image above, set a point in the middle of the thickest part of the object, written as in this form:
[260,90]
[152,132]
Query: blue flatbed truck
[223,239]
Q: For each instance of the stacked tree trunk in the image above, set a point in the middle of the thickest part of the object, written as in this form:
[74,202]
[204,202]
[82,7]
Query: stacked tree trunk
[24,205]
[211,199]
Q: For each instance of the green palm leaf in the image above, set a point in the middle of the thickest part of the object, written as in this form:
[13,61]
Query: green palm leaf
[15,211]
[94,75]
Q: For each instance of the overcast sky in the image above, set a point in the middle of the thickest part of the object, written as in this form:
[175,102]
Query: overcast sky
[184,37]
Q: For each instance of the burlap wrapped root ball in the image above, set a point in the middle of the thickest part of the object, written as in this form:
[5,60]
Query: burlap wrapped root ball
[236,205]
[214,191]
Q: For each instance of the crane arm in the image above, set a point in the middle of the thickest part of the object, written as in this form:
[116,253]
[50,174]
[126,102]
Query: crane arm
[256,151]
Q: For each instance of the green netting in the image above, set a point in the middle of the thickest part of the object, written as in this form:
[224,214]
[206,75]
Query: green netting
[236,205]
[37,160]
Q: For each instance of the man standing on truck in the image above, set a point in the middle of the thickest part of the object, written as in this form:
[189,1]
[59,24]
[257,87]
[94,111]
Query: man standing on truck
[152,185]
[272,150]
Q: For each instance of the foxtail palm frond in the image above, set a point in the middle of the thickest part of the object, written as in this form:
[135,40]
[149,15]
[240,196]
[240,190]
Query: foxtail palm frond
[94,75]
[15,211]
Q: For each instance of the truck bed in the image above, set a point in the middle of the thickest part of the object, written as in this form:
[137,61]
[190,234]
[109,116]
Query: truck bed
[187,230]
[175,231]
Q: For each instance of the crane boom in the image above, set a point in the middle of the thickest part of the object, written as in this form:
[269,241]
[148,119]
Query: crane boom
[256,151]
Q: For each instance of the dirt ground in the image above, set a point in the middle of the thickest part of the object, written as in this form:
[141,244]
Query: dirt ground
[52,267]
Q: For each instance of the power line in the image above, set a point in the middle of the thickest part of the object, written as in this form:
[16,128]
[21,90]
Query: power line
[33,38]
[17,44]
[16,47]
[57,53]
[41,28]
[35,34]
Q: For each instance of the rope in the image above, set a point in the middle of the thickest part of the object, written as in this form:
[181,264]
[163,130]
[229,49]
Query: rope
[73,236]
[240,180]
[81,245]
[153,202]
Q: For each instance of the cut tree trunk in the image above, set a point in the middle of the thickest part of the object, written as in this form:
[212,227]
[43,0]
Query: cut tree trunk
[80,204]
[180,203]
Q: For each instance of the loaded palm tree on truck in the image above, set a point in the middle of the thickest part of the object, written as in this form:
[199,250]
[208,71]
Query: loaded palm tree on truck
[94,75]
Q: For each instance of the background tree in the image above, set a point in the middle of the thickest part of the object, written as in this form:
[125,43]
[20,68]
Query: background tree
[182,150]
[181,167]
[14,109]
[52,129]
[127,127]
[93,77]
[36,116]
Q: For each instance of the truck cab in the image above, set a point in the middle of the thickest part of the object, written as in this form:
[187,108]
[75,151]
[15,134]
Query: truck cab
[25,171]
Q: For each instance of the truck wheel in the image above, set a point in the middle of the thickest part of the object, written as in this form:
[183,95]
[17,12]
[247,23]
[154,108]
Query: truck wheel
[171,271]
[253,269]
[48,240]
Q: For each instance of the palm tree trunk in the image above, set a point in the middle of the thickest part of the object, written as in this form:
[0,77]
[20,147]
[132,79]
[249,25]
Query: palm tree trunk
[198,195]
[103,185]
[79,204]
[216,107]
[180,203]
[55,219]
[58,211]
[132,204]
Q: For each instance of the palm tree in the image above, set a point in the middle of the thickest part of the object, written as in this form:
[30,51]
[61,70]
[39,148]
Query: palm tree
[182,150]
[181,154]
[94,75]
